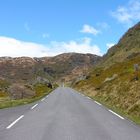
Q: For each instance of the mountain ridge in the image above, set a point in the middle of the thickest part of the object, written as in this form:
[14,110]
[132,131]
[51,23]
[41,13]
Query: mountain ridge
[55,67]
[127,46]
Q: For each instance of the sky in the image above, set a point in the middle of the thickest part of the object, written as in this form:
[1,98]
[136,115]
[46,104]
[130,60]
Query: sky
[38,28]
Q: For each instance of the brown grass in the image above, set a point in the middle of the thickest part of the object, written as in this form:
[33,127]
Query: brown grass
[121,93]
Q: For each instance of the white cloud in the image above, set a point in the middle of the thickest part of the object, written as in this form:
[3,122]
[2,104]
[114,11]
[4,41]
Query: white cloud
[109,45]
[82,46]
[15,48]
[129,13]
[89,29]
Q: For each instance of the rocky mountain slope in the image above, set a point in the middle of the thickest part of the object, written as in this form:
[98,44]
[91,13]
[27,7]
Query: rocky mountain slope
[65,66]
[69,65]
[115,81]
[127,47]
[23,73]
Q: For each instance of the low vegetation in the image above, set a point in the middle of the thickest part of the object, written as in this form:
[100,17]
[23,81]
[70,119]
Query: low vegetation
[115,80]
[115,87]
[38,91]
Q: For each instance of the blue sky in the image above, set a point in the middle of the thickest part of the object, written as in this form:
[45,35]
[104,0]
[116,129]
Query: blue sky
[50,27]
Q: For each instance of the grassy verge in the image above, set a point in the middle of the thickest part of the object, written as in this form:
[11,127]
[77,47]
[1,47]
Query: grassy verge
[118,110]
[115,87]
[41,91]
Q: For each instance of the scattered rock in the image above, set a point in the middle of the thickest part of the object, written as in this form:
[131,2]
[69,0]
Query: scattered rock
[18,91]
[97,74]
[111,78]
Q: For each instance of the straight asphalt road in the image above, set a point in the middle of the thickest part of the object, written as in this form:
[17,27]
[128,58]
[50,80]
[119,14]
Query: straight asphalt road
[65,115]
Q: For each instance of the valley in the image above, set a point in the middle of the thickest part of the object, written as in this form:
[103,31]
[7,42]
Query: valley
[110,79]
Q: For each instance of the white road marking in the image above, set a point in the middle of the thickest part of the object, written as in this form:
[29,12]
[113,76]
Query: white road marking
[97,103]
[116,114]
[34,106]
[89,98]
[42,99]
[13,123]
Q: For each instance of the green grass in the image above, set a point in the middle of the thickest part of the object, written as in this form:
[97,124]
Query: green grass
[41,91]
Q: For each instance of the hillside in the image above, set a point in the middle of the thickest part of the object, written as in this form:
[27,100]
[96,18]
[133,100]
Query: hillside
[127,47]
[113,81]
[25,69]
[27,72]
[68,66]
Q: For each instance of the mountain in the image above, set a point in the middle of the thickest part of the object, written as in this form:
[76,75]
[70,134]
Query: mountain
[16,69]
[114,81]
[127,47]
[25,77]
[68,66]
[65,66]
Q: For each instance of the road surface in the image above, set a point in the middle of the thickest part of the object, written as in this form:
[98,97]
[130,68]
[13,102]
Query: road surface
[65,115]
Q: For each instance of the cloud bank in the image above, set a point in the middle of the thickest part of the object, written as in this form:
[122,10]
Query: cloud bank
[129,13]
[16,48]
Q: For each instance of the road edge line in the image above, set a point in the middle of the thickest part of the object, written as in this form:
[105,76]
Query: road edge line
[42,99]
[97,103]
[116,114]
